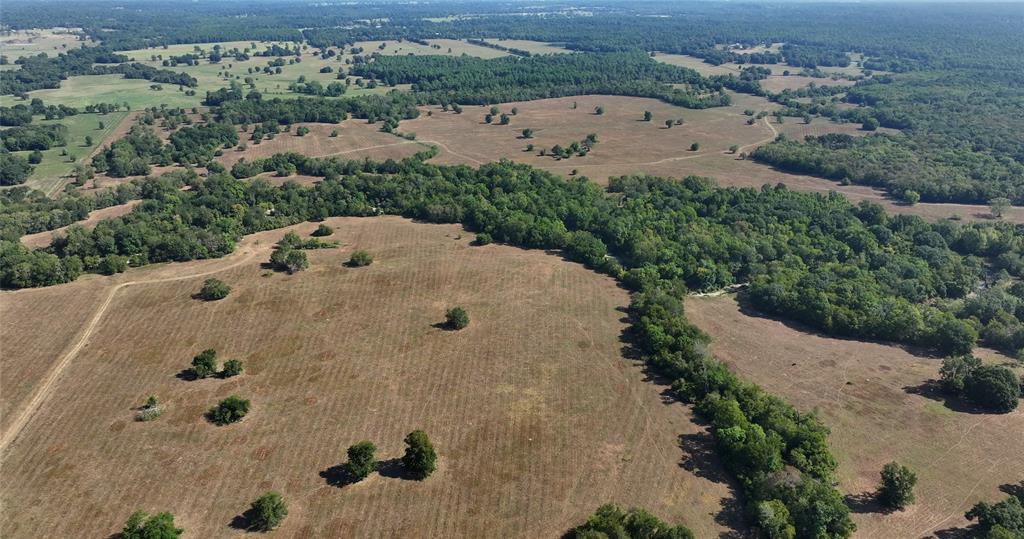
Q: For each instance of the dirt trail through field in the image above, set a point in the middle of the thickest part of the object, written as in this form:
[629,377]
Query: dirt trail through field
[42,393]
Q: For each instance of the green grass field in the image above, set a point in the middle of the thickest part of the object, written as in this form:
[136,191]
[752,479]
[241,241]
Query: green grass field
[48,175]
[92,89]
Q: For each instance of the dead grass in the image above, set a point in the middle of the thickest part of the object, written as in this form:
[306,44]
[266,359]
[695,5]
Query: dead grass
[536,415]
[356,139]
[877,401]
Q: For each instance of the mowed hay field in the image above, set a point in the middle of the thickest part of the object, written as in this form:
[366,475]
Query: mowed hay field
[877,401]
[356,139]
[627,145]
[536,416]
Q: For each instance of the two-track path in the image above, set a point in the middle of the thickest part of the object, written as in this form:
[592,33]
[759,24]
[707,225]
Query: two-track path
[45,389]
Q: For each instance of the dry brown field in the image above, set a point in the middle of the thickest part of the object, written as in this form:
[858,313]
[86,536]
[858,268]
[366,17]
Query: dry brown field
[536,415]
[356,139]
[878,402]
[627,145]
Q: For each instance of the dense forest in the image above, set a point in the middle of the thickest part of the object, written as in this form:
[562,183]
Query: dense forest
[901,164]
[474,81]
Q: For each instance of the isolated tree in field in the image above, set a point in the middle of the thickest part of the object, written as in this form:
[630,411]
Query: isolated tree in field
[456,318]
[88,140]
[322,230]
[734,148]
[232,367]
[150,410]
[214,289]
[668,124]
[494,111]
[143,526]
[648,116]
[230,410]
[529,147]
[301,131]
[35,157]
[695,146]
[290,260]
[360,259]
[420,459]
[599,110]
[527,133]
[488,118]
[897,488]
[361,460]
[204,364]
[267,512]
[998,206]
[504,119]
[102,126]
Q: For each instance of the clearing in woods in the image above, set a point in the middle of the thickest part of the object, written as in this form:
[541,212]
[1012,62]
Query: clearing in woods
[881,406]
[532,392]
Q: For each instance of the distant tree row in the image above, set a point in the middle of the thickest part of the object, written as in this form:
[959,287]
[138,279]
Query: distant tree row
[473,81]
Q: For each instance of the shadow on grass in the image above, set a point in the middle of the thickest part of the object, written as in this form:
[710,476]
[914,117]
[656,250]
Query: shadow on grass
[393,469]
[244,521]
[864,503]
[339,476]
[187,375]
[932,390]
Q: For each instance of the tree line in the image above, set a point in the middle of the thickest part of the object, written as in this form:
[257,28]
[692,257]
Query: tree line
[468,80]
[667,236]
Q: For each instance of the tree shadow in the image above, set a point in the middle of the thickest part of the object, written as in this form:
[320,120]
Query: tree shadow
[700,457]
[187,375]
[1014,489]
[865,502]
[733,517]
[339,476]
[393,469]
[244,521]
[932,390]
[955,533]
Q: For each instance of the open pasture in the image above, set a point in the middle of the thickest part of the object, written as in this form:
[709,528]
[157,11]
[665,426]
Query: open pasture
[356,139]
[533,47]
[879,403]
[17,43]
[49,175]
[536,415]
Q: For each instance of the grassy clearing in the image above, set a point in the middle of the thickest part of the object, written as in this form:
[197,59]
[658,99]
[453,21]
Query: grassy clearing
[532,392]
[533,47]
[875,399]
[49,175]
[17,43]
